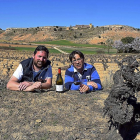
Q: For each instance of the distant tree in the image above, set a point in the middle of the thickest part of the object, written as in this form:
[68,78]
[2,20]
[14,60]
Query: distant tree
[109,43]
[136,44]
[121,47]
[55,29]
[127,40]
[74,36]
[102,43]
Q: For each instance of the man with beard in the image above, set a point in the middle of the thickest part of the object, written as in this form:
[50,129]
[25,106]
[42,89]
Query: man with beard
[33,73]
[80,75]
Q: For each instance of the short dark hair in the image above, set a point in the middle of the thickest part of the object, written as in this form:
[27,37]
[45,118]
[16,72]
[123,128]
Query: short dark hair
[41,48]
[76,52]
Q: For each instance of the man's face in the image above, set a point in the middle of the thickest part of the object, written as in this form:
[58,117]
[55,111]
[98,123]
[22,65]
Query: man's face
[39,59]
[78,62]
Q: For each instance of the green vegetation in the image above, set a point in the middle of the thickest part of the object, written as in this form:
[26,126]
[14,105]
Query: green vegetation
[6,48]
[68,50]
[68,47]
[68,43]
[109,43]
[89,50]
[127,40]
[23,48]
[51,50]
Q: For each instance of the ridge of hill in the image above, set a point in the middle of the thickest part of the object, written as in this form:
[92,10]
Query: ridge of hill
[83,34]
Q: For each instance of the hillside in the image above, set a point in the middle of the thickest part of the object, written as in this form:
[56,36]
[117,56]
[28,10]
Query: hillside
[79,34]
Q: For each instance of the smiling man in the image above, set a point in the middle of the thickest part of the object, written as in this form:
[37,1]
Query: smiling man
[33,73]
[80,75]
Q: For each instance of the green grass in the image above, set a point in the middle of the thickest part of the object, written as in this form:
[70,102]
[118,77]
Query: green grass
[90,50]
[24,48]
[68,43]
[6,48]
[68,50]
[84,48]
[51,50]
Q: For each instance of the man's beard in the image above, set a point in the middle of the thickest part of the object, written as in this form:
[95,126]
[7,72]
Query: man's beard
[38,64]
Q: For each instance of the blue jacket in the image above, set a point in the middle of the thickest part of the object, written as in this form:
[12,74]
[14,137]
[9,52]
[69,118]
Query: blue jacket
[89,74]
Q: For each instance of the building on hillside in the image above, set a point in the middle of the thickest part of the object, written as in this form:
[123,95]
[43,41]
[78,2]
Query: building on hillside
[82,26]
[90,25]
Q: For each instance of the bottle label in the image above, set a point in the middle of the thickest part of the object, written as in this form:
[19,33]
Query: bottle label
[59,87]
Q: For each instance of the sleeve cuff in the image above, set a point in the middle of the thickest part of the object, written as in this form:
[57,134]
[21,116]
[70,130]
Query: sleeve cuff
[99,87]
[90,88]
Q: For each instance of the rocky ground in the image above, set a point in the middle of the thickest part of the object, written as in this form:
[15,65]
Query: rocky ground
[48,115]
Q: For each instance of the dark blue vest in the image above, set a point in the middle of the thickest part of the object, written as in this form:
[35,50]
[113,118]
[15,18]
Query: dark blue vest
[28,72]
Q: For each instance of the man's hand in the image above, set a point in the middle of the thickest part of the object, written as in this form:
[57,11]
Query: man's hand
[84,88]
[92,84]
[24,85]
[36,85]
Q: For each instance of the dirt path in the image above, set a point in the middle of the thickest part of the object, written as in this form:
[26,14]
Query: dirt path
[60,50]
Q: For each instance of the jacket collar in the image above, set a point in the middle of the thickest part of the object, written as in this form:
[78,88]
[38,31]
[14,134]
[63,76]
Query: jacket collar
[75,70]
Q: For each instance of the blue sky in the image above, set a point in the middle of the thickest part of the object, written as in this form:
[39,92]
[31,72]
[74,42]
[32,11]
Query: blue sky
[34,13]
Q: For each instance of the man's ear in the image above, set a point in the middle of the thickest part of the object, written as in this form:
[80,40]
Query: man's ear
[33,55]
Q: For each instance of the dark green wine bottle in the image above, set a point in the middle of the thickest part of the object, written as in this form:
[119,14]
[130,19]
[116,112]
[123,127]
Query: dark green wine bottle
[59,81]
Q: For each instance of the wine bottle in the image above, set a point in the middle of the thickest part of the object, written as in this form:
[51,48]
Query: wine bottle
[59,81]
